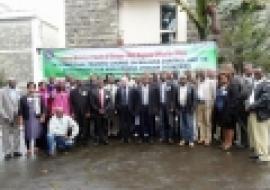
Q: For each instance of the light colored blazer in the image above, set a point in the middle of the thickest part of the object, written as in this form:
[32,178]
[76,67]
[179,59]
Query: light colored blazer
[9,106]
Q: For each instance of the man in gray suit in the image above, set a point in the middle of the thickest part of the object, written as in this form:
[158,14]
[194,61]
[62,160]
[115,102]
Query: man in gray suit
[9,103]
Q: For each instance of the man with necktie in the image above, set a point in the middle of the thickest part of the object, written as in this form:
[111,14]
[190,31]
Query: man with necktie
[164,90]
[78,101]
[123,109]
[153,104]
[111,87]
[91,116]
[144,110]
[101,105]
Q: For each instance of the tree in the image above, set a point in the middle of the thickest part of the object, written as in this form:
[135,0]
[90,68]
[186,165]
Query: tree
[2,78]
[244,35]
[204,9]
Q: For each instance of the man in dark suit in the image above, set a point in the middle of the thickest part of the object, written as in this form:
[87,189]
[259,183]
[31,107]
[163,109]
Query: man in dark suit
[167,102]
[172,92]
[147,131]
[101,105]
[78,102]
[92,118]
[135,106]
[186,105]
[123,105]
[247,86]
[153,104]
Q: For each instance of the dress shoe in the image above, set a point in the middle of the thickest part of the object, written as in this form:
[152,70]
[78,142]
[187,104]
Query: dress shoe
[8,157]
[17,154]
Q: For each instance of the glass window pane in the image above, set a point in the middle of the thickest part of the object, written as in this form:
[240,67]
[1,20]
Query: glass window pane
[167,38]
[168,17]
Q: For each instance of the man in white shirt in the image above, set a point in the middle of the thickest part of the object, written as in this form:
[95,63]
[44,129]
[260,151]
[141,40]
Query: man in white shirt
[62,131]
[206,97]
[144,110]
[186,104]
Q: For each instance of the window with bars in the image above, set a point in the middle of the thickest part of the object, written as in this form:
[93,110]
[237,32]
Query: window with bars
[168,23]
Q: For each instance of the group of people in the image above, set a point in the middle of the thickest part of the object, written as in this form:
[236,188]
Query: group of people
[169,107]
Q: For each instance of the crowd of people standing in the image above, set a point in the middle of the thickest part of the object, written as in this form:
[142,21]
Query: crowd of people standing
[199,107]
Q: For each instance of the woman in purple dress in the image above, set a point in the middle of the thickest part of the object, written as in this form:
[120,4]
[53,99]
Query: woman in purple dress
[32,113]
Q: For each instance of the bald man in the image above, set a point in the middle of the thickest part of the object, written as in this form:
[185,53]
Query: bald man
[9,107]
[260,105]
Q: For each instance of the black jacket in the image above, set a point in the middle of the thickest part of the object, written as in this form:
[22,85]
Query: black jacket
[135,100]
[95,102]
[119,99]
[24,108]
[154,99]
[262,101]
[79,100]
[191,99]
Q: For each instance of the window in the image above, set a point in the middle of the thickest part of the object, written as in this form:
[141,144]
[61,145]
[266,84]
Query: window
[168,23]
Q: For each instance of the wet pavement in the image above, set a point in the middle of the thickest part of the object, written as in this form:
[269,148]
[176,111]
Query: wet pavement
[137,167]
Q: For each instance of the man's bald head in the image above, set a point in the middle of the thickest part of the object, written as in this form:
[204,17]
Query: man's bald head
[12,83]
[258,73]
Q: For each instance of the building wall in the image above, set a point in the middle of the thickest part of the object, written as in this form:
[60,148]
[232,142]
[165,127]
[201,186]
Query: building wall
[91,23]
[48,35]
[15,49]
[140,22]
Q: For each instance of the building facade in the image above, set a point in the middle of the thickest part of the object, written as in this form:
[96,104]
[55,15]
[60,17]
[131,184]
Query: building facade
[107,23]
[21,33]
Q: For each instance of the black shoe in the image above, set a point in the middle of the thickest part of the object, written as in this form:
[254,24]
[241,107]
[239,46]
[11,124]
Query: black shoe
[17,154]
[125,141]
[255,157]
[8,157]
[105,143]
[171,141]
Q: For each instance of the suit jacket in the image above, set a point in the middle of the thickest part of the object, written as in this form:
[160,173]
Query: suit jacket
[135,100]
[95,102]
[172,95]
[262,101]
[24,107]
[154,98]
[9,107]
[168,93]
[119,98]
[91,89]
[191,101]
[79,100]
[247,87]
[234,96]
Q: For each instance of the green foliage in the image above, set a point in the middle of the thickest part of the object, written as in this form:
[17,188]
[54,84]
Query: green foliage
[246,35]
[2,79]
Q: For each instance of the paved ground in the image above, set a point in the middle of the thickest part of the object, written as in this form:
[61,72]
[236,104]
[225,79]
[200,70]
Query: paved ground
[137,167]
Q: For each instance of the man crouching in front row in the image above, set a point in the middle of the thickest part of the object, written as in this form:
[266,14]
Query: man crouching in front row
[62,131]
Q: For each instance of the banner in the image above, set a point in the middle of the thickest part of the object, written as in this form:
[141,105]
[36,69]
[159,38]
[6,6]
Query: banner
[80,63]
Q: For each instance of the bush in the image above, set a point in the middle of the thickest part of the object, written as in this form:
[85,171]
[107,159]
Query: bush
[2,79]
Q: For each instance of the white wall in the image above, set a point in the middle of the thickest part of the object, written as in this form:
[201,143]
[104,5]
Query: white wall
[140,22]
